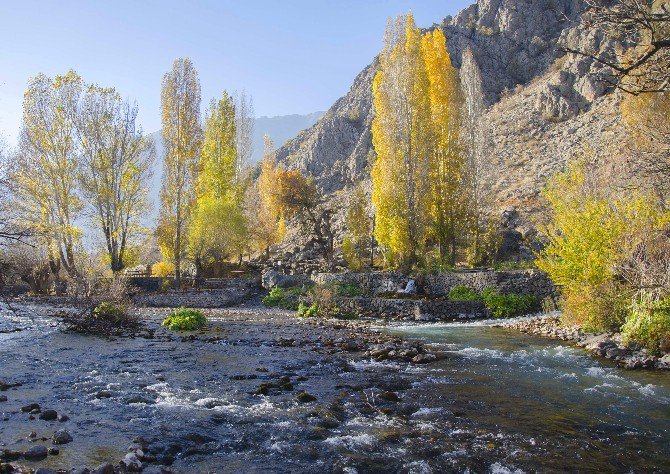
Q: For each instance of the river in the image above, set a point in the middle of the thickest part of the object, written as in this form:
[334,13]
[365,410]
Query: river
[497,401]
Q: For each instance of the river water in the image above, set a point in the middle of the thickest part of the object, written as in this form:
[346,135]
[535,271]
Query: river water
[497,401]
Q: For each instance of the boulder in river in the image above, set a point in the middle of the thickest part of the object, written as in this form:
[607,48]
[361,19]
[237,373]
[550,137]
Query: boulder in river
[305,397]
[61,437]
[36,453]
[30,408]
[107,468]
[49,415]
[3,398]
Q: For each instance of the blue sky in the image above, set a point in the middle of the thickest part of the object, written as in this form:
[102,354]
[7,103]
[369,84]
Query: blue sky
[291,56]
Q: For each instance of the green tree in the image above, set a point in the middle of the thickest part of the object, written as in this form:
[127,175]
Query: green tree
[359,241]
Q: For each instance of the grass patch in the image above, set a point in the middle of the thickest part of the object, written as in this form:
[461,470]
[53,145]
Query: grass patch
[185,319]
[305,311]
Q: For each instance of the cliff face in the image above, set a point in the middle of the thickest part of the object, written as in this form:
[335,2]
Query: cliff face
[542,105]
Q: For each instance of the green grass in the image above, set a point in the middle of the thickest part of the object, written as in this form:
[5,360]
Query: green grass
[109,312]
[184,319]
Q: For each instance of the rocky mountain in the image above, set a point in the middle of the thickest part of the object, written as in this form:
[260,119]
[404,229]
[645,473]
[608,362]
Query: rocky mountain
[542,105]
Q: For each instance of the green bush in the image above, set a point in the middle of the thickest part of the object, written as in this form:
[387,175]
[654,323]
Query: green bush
[648,322]
[462,293]
[184,319]
[109,312]
[508,305]
[349,290]
[305,311]
[280,298]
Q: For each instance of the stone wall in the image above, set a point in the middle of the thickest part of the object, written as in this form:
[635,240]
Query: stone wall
[409,309]
[512,281]
[235,291]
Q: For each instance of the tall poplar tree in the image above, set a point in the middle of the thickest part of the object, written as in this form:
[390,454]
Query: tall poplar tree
[182,135]
[217,226]
[448,204]
[401,132]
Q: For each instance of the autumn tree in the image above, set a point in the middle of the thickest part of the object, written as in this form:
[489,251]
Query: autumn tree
[182,135]
[265,220]
[44,178]
[298,198]
[401,135]
[115,163]
[477,164]
[448,207]
[358,241]
[244,133]
[217,225]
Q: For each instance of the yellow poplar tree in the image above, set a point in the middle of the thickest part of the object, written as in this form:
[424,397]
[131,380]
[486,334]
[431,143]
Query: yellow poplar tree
[217,226]
[447,207]
[401,133]
[182,135]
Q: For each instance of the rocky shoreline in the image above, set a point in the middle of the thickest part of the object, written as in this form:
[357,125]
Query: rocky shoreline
[607,345]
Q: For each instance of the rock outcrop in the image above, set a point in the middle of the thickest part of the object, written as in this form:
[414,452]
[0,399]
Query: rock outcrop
[543,105]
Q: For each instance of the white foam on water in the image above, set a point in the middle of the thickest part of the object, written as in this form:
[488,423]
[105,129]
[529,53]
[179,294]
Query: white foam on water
[497,468]
[648,390]
[352,441]
[418,467]
[372,364]
[570,376]
[427,411]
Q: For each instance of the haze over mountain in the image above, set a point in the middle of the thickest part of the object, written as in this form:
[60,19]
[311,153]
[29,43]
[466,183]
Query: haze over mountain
[280,128]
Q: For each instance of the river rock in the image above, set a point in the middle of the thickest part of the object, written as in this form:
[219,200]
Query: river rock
[54,451]
[61,437]
[3,398]
[63,418]
[49,415]
[44,470]
[9,455]
[305,397]
[664,362]
[36,453]
[30,407]
[107,468]
[132,463]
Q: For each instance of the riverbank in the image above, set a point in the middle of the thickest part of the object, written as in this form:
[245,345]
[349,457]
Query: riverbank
[608,345]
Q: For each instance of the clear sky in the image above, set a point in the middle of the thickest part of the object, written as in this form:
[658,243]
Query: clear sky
[292,56]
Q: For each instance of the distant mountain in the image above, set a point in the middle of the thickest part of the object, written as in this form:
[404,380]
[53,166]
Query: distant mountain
[280,128]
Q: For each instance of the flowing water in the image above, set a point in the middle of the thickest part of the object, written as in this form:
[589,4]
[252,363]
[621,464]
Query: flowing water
[498,401]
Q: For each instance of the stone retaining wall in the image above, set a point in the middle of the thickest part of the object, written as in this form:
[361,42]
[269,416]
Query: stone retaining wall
[408,309]
[512,281]
[236,291]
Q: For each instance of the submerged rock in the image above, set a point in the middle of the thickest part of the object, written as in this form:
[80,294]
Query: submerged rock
[106,468]
[305,397]
[49,415]
[30,408]
[61,437]
[36,453]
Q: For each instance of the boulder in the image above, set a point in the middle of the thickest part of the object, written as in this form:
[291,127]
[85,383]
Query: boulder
[36,453]
[61,437]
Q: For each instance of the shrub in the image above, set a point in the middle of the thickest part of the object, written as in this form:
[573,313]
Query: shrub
[462,293]
[274,298]
[349,290]
[285,299]
[109,312]
[592,233]
[508,305]
[162,269]
[305,311]
[184,319]
[648,322]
